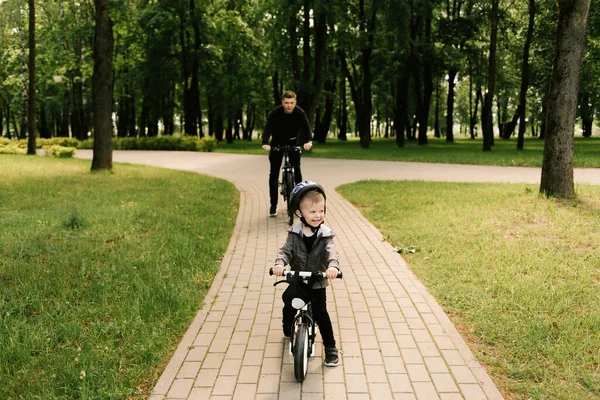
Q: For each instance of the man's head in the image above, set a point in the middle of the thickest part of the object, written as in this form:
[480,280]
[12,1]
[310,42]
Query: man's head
[288,101]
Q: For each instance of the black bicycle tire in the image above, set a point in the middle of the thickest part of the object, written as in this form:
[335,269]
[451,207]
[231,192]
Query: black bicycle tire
[289,183]
[301,353]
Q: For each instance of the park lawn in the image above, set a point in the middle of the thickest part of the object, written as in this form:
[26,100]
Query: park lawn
[517,273]
[462,151]
[101,274]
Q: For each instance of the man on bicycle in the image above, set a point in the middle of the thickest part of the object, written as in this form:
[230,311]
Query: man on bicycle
[287,124]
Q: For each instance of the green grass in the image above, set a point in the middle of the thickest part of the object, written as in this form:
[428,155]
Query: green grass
[518,274]
[100,274]
[462,151]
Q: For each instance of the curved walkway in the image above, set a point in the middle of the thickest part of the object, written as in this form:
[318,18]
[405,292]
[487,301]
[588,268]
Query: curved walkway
[395,339]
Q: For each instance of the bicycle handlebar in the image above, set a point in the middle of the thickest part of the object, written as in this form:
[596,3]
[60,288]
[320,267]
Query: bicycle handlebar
[286,148]
[305,274]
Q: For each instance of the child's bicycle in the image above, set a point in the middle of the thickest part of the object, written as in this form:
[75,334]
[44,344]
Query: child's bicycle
[304,329]
[288,180]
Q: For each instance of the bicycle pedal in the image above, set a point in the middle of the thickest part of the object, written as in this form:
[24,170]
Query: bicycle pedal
[291,352]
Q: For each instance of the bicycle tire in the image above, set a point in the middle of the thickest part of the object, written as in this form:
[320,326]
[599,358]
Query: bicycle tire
[301,353]
[289,184]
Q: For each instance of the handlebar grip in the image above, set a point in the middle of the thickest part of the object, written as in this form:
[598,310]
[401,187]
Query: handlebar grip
[339,275]
[271,271]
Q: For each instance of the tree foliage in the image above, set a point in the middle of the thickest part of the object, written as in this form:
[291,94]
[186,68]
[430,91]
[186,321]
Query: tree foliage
[216,68]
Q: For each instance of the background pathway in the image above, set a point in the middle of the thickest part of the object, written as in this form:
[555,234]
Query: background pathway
[396,342]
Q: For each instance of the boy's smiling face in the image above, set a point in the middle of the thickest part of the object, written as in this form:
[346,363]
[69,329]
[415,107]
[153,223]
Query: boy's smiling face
[313,211]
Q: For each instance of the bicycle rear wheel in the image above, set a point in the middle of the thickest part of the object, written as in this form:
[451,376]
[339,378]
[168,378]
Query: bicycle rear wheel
[301,353]
[289,186]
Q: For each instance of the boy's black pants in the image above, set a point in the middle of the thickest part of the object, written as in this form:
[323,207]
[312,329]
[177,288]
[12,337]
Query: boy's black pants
[275,158]
[320,315]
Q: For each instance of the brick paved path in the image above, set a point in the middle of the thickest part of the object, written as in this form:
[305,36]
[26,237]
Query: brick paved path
[395,340]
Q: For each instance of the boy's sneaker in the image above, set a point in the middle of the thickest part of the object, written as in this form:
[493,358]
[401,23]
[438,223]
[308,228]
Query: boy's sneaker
[331,356]
[272,211]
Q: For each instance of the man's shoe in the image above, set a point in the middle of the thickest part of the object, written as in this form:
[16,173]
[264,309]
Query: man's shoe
[331,357]
[272,211]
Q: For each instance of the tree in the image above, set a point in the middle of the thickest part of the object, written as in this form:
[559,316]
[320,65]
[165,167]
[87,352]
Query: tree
[486,111]
[102,88]
[589,91]
[355,56]
[31,97]
[557,166]
[525,77]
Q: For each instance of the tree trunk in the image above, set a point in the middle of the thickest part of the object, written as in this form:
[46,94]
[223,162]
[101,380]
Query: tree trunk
[401,122]
[75,120]
[8,133]
[293,8]
[25,101]
[533,121]
[361,82]
[450,106]
[525,77]
[342,119]
[237,123]
[64,120]
[189,118]
[169,113]
[44,129]
[436,122]
[123,113]
[324,122]
[211,118]
[557,166]
[132,116]
[473,122]
[486,111]
[195,64]
[219,127]
[102,88]
[276,92]
[508,128]
[31,102]
[1,118]
[250,120]
[427,83]
[229,131]
[587,115]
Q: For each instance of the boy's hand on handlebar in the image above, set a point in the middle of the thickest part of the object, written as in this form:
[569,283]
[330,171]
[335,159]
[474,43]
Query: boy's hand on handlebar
[278,270]
[266,147]
[331,273]
[307,146]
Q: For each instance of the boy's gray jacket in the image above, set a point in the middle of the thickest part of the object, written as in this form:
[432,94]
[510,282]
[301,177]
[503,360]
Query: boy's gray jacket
[322,256]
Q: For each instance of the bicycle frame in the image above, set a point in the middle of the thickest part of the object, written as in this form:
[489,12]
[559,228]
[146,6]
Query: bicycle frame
[288,177]
[304,326]
[286,169]
[304,316]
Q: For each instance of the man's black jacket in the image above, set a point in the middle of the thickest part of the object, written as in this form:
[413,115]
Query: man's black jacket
[287,129]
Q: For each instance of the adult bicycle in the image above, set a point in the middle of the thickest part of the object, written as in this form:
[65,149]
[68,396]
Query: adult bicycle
[288,177]
[304,328]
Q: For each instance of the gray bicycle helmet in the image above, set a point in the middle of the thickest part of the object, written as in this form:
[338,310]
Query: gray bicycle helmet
[301,189]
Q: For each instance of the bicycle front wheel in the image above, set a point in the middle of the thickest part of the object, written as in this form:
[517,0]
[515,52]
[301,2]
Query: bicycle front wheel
[301,353]
[289,186]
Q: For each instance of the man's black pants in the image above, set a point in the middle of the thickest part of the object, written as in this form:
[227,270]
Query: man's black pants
[275,158]
[320,315]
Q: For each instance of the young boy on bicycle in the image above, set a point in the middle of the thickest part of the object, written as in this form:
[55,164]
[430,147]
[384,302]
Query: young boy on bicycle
[310,247]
